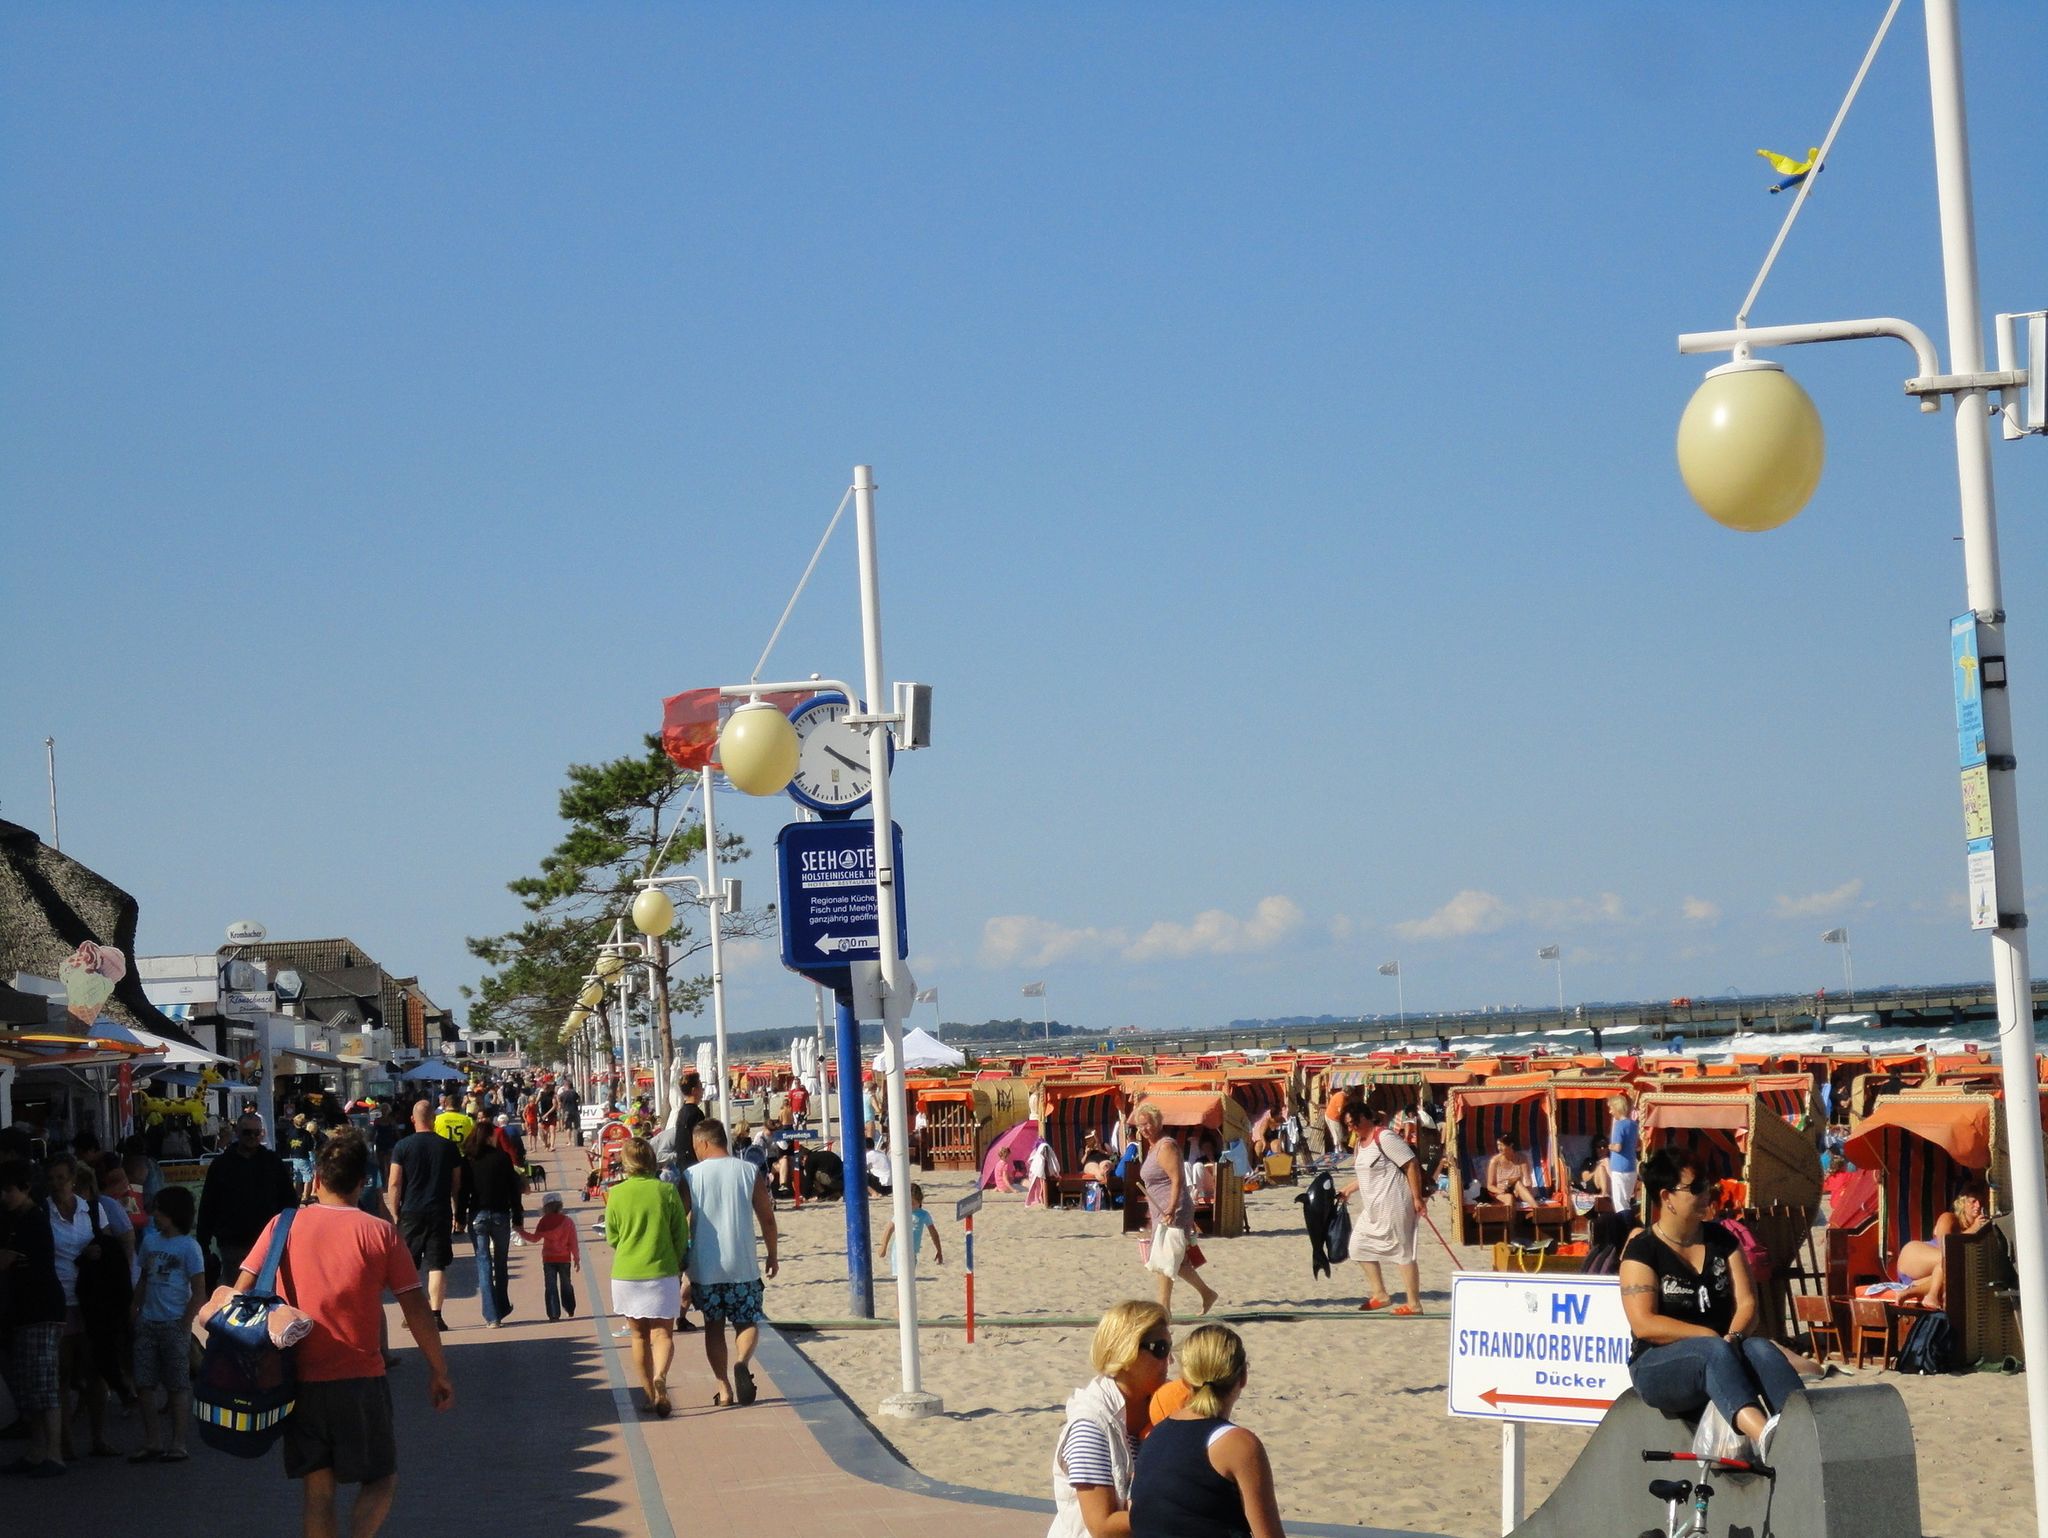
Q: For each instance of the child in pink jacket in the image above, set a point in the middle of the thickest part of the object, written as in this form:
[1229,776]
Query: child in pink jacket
[560,1253]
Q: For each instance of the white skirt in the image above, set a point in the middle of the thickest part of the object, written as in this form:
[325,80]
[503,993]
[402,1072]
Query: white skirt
[659,1298]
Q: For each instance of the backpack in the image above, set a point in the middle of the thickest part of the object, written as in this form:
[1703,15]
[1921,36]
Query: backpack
[245,1386]
[1754,1254]
[1930,1346]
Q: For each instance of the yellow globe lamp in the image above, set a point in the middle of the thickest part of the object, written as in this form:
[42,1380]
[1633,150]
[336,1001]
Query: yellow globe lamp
[610,964]
[1750,445]
[592,996]
[577,1016]
[653,913]
[758,748]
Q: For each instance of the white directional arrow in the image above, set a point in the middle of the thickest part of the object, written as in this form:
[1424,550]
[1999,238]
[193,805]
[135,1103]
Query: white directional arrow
[827,944]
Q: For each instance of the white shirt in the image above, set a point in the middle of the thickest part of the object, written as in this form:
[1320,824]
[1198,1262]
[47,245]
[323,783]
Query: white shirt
[878,1165]
[71,1238]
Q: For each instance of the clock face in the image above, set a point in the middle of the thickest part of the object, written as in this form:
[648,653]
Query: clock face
[832,758]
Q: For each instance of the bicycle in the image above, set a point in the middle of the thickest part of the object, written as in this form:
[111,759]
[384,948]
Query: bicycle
[1676,1492]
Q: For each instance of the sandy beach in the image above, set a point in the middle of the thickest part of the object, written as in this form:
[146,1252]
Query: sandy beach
[1351,1405]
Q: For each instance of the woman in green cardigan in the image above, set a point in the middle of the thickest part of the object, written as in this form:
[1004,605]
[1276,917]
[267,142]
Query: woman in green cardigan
[649,1233]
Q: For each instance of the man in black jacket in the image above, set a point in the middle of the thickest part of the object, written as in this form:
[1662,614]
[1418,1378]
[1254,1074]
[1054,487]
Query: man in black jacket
[245,1188]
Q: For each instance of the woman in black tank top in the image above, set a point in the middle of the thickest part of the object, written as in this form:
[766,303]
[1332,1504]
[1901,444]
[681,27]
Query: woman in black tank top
[1198,1475]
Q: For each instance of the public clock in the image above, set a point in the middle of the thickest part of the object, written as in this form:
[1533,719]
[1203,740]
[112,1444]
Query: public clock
[832,775]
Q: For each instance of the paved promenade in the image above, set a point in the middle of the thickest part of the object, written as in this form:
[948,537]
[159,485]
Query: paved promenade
[544,1439]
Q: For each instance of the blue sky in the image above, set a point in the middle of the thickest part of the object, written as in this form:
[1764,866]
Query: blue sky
[1273,410]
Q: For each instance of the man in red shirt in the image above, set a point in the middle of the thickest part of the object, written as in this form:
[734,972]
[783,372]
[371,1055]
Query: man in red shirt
[338,1263]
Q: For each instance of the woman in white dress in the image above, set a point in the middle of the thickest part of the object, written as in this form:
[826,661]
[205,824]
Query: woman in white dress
[1388,1181]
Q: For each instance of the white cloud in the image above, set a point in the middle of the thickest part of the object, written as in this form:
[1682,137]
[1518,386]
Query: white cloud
[1469,913]
[1216,933]
[1023,940]
[1817,904]
[1699,911]
[1570,912]
[1019,939]
[1342,927]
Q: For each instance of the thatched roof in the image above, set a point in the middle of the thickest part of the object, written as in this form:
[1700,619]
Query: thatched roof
[48,904]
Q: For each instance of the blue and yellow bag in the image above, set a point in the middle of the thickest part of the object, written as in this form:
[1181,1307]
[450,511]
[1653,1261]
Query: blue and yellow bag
[245,1386]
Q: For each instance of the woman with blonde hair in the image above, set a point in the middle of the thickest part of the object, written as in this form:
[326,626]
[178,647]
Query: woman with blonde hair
[1097,1450]
[1168,1247]
[649,1232]
[1200,1475]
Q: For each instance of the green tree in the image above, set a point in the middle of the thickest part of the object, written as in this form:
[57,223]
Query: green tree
[620,818]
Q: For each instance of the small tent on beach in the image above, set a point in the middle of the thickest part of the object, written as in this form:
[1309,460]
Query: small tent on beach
[1010,1155]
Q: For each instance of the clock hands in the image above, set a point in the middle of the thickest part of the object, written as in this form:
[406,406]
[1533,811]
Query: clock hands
[850,763]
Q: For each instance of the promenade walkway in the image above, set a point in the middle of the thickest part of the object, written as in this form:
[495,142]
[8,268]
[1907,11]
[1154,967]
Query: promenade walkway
[545,1439]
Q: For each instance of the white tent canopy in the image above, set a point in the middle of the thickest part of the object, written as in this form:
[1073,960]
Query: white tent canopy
[921,1049]
[432,1068]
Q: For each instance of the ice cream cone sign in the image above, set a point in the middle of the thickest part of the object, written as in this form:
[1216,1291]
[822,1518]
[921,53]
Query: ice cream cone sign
[88,976]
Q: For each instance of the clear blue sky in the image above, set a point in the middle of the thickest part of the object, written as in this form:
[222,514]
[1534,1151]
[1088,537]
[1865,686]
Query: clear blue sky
[1273,409]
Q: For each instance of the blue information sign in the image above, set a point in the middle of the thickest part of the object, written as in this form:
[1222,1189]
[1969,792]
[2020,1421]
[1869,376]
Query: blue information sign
[826,874]
[1962,650]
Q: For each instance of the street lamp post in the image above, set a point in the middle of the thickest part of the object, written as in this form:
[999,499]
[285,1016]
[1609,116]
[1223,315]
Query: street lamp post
[761,758]
[1751,441]
[654,914]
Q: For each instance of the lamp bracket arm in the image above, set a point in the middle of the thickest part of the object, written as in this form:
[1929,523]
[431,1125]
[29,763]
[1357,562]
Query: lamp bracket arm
[1741,339]
[800,686]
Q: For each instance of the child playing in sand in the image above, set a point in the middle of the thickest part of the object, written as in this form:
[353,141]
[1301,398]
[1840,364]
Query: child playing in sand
[920,1223]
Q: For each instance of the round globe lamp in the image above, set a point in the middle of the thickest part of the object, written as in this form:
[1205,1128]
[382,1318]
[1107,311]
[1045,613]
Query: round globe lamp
[592,996]
[1750,446]
[576,1018]
[758,748]
[610,964]
[653,913]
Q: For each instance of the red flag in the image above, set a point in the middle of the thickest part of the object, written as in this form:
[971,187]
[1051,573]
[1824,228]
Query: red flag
[690,722]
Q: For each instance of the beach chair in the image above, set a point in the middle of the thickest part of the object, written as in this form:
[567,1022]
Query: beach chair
[1816,1316]
[1280,1169]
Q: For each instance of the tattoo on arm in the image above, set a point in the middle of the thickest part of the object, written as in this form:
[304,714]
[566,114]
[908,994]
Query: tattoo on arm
[1637,1290]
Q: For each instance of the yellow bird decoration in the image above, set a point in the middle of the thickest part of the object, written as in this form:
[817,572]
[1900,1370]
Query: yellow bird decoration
[1794,171]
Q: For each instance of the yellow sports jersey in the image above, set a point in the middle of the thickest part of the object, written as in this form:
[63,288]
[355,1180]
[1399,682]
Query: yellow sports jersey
[454,1126]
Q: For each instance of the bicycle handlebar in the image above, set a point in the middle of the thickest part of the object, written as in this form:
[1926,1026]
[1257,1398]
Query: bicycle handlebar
[1720,1465]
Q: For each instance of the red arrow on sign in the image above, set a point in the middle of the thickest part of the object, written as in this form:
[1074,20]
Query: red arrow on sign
[1496,1398]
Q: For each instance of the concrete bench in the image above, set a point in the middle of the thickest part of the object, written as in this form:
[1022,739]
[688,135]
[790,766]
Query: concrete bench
[1843,1456]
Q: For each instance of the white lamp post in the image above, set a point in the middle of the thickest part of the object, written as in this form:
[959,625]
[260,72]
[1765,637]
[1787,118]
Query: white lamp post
[767,758]
[1750,450]
[654,914]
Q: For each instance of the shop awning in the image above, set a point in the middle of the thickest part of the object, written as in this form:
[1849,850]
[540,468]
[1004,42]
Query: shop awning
[177,1052]
[308,1055]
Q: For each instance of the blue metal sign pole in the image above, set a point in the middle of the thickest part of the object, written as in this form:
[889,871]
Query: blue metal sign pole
[860,1270]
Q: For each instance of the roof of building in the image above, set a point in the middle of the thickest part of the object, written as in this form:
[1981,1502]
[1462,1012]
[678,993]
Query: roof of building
[49,903]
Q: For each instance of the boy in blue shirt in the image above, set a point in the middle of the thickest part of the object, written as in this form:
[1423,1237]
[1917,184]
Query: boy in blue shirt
[165,1304]
[920,1224]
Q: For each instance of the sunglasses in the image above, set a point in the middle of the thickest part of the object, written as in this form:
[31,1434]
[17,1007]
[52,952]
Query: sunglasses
[1699,1186]
[1160,1349]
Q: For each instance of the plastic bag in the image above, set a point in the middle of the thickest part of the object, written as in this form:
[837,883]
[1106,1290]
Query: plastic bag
[1716,1438]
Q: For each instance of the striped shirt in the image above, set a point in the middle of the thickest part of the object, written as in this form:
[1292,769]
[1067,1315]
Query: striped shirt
[1084,1452]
